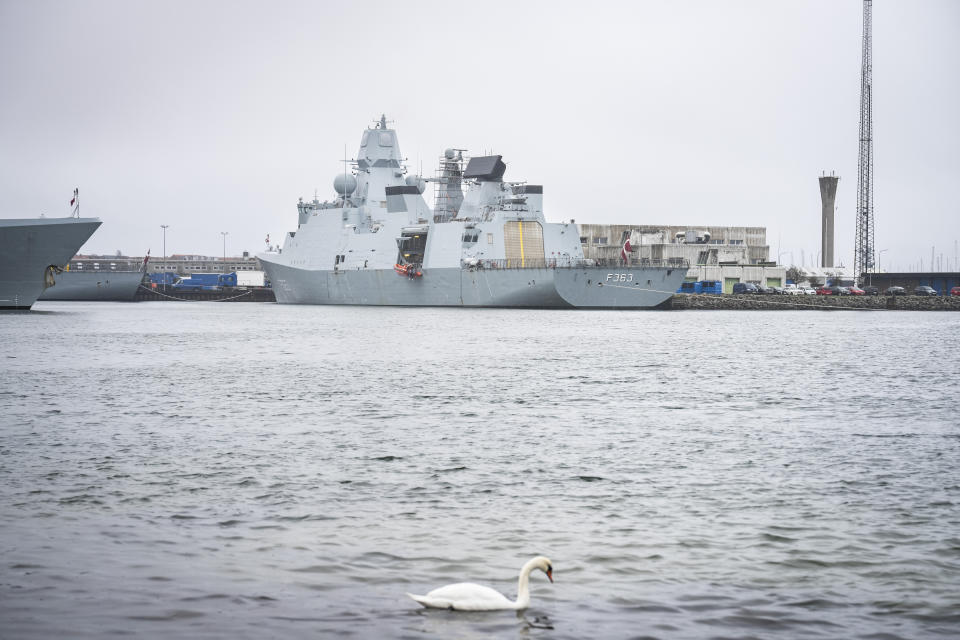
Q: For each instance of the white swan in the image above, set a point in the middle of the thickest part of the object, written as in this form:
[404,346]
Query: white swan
[466,596]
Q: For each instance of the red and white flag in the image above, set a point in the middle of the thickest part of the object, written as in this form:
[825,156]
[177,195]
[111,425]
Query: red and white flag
[625,252]
[146,259]
[268,238]
[74,199]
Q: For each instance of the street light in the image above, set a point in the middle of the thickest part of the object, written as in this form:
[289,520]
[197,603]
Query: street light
[224,234]
[878,259]
[164,227]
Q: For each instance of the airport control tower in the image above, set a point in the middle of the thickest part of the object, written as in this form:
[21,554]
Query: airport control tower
[828,196]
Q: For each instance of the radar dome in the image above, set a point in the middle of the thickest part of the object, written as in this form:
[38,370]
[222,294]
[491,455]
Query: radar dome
[345,184]
[450,154]
[416,181]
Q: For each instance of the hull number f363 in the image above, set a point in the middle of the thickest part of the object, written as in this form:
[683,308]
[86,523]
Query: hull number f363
[619,277]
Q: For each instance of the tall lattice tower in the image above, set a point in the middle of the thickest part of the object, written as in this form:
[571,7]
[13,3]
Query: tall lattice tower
[863,255]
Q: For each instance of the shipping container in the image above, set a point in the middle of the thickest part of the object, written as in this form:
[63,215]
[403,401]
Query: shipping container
[248,278]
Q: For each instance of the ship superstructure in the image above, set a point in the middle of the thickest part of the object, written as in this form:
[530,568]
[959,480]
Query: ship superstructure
[485,244]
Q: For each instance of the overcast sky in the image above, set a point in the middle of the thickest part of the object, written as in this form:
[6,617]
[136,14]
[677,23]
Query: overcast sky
[217,116]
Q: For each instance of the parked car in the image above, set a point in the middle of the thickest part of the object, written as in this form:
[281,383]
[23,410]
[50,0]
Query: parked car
[924,290]
[855,290]
[895,291]
[955,291]
[872,291]
[824,291]
[744,287]
[840,291]
[778,290]
[765,289]
[809,291]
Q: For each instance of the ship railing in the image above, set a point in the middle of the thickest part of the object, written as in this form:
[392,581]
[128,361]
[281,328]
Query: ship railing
[561,263]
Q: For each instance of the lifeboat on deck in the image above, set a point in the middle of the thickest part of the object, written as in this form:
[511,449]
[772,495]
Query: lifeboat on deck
[409,270]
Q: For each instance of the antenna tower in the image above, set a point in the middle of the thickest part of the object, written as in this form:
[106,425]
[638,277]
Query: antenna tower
[863,252]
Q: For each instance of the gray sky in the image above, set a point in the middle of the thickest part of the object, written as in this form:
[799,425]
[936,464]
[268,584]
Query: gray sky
[217,116]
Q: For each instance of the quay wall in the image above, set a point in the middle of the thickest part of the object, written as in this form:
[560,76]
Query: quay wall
[682,301]
[252,294]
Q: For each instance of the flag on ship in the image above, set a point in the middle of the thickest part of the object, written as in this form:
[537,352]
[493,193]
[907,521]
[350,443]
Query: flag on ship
[625,252]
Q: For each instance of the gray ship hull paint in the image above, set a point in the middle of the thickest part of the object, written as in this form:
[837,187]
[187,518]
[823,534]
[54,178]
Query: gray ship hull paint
[28,246]
[561,288]
[113,286]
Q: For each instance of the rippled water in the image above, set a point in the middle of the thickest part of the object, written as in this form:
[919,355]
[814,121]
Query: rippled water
[250,471]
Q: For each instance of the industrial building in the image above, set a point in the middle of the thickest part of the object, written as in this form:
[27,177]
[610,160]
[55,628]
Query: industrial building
[726,254]
[942,281]
[179,264]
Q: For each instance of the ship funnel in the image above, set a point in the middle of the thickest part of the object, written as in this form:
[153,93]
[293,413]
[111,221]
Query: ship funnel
[485,169]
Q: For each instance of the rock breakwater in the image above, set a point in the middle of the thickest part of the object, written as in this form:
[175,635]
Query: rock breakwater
[774,303]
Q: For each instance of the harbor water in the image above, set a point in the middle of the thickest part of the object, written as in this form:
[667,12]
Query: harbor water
[213,470]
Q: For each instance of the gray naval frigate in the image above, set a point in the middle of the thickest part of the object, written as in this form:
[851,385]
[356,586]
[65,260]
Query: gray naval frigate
[103,286]
[485,243]
[33,251]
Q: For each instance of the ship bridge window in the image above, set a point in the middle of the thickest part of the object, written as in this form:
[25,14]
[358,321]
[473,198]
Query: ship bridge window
[386,139]
[471,237]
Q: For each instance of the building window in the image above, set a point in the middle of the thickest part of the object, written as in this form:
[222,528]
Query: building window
[583,239]
[601,240]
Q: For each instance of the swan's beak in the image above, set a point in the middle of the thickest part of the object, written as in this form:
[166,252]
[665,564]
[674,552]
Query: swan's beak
[550,574]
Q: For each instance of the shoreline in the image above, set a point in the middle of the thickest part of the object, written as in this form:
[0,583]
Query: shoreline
[693,301]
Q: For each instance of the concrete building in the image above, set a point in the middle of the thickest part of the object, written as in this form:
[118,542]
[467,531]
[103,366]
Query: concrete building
[727,254]
[828,199]
[180,264]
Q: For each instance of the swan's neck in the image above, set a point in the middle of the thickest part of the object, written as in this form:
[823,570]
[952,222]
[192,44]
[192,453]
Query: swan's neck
[523,586]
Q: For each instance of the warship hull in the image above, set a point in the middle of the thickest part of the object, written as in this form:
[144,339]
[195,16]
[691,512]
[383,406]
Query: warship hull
[30,247]
[624,287]
[112,286]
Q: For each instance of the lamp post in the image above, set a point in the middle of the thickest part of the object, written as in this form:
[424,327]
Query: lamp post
[224,234]
[164,227]
[878,259]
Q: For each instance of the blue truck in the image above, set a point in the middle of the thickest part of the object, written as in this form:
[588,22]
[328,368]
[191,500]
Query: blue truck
[703,286]
[163,278]
[206,282]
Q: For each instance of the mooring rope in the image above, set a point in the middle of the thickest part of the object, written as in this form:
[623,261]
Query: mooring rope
[245,293]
